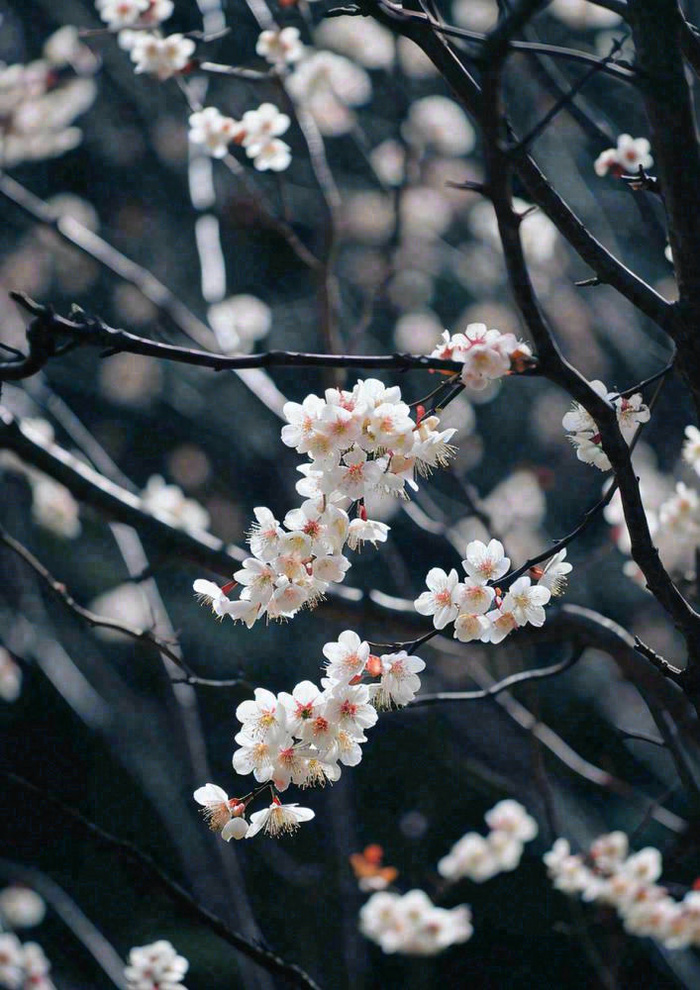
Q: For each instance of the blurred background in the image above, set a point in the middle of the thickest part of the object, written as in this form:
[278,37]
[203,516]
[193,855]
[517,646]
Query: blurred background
[93,717]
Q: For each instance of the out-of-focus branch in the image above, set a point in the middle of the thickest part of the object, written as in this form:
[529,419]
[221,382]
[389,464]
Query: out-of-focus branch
[116,502]
[104,954]
[48,328]
[423,31]
[147,866]
[100,621]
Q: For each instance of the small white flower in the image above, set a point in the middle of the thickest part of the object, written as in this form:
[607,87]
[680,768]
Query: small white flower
[526,602]
[11,961]
[155,967]
[211,594]
[366,531]
[554,575]
[485,563]
[10,677]
[510,816]
[442,598]
[691,448]
[278,819]
[262,717]
[348,657]
[399,682]
[213,131]
[21,907]
[280,47]
[161,57]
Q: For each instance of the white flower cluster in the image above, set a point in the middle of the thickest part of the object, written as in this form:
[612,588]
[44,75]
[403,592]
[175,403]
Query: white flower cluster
[118,14]
[583,431]
[412,925]
[326,85]
[610,875]
[162,57]
[157,56]
[476,606]
[23,966]
[479,857]
[358,443]
[303,737]
[155,967]
[626,158]
[170,502]
[39,101]
[487,354]
[280,47]
[258,132]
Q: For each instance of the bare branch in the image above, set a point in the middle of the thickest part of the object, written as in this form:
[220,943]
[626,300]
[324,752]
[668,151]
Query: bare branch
[132,855]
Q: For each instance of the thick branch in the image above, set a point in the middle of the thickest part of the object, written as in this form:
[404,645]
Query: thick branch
[95,333]
[422,30]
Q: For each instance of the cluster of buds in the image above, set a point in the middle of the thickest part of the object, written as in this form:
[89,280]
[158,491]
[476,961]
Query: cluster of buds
[609,875]
[583,431]
[258,132]
[304,737]
[487,354]
[358,443]
[477,606]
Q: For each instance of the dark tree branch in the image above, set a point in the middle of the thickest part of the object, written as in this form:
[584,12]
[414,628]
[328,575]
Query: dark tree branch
[148,867]
[513,680]
[420,29]
[91,332]
[99,621]
[555,367]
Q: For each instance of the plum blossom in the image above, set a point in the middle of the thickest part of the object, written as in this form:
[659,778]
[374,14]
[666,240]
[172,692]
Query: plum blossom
[410,924]
[156,966]
[213,131]
[161,57]
[486,354]
[485,563]
[525,602]
[278,819]
[280,47]
[629,156]
[442,598]
[21,907]
[583,431]
[691,448]
[399,681]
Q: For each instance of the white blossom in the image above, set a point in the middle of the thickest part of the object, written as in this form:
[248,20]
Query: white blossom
[213,131]
[21,907]
[280,47]
[156,966]
[485,563]
[278,819]
[161,57]
[629,156]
